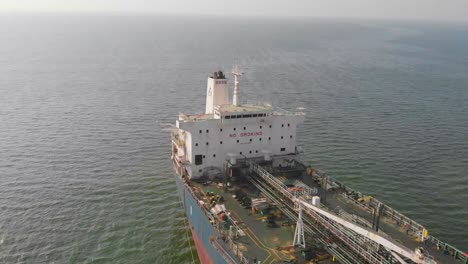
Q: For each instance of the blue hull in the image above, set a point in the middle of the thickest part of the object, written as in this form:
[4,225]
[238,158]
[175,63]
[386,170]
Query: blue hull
[202,230]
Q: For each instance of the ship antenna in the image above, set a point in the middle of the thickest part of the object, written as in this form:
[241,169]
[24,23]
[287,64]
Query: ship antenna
[236,72]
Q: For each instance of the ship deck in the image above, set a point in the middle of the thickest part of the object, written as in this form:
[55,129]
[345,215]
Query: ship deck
[261,242]
[267,234]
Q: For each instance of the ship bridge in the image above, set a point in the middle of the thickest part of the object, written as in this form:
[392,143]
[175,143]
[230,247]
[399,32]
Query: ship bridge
[203,142]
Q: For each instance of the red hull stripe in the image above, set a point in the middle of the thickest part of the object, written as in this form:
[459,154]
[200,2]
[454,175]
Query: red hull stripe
[202,253]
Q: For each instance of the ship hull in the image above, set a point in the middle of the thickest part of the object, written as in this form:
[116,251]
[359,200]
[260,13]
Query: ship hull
[200,226]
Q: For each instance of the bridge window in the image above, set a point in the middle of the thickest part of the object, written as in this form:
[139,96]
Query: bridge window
[196,144]
[220,142]
[198,159]
[281,138]
[283,149]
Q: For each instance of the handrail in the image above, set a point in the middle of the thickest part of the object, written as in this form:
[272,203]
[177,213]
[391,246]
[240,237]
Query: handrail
[415,227]
[235,248]
[215,242]
[387,210]
[341,258]
[223,252]
[361,231]
[456,253]
[279,186]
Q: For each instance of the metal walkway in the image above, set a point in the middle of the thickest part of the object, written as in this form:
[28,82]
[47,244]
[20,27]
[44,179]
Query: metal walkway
[358,249]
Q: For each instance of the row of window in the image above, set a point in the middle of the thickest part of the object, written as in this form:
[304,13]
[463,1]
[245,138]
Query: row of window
[256,151]
[260,139]
[199,158]
[244,116]
[221,130]
[250,152]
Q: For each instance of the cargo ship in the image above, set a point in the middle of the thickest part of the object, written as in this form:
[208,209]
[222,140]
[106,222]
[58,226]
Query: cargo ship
[249,197]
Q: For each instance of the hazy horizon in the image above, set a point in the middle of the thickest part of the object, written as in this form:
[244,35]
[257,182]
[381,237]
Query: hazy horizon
[430,10]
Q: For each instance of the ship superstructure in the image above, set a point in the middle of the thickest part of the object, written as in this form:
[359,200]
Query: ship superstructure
[225,130]
[250,199]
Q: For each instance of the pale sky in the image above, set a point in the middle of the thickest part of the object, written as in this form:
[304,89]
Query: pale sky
[448,10]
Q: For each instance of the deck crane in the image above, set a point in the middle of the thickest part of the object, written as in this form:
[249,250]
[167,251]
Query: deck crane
[396,250]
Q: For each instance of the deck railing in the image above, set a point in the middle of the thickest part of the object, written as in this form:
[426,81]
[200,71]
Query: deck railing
[449,249]
[345,257]
[346,236]
[220,246]
[229,259]
[235,249]
[412,225]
